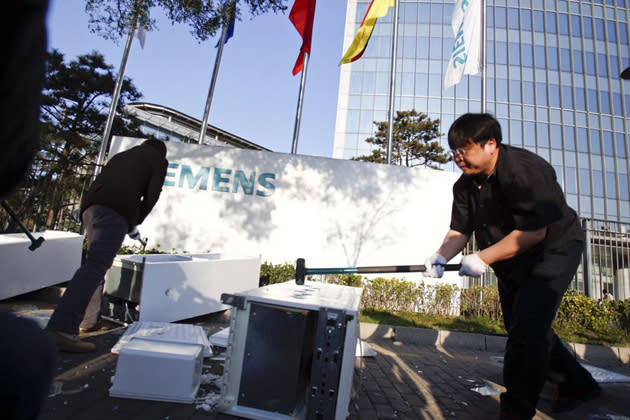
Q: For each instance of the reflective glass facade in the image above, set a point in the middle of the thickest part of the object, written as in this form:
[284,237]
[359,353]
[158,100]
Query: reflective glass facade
[552,80]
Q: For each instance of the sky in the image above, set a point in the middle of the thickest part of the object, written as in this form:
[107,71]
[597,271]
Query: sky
[255,95]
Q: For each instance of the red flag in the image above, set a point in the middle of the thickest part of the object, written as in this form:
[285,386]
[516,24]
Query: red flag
[302,15]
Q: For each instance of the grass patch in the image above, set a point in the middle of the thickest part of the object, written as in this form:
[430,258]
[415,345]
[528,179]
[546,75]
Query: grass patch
[609,337]
[413,319]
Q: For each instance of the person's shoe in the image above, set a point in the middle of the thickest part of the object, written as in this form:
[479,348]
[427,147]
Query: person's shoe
[568,400]
[96,328]
[70,343]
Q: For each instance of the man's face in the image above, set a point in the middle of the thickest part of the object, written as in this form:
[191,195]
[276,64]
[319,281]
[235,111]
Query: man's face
[475,159]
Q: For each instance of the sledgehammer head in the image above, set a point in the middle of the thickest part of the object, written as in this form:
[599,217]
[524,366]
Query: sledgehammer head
[300,271]
[36,243]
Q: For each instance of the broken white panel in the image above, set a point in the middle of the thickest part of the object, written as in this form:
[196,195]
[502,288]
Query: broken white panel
[364,349]
[177,287]
[158,370]
[54,262]
[165,332]
[220,338]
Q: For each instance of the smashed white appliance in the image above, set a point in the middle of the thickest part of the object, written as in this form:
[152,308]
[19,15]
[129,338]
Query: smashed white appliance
[173,287]
[160,361]
[290,351]
[54,262]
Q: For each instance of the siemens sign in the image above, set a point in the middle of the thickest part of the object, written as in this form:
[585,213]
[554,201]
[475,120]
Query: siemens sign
[220,179]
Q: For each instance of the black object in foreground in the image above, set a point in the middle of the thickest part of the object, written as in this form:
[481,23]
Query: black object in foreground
[35,243]
[625,74]
[301,271]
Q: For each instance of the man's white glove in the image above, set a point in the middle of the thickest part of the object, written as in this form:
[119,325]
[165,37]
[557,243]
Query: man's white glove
[472,265]
[134,233]
[434,266]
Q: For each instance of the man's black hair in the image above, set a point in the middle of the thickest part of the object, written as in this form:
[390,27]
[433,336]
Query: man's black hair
[156,144]
[475,128]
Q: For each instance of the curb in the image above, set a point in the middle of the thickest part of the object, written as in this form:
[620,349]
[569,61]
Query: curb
[481,342]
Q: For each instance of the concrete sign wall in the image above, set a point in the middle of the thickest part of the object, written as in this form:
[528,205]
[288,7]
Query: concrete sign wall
[280,206]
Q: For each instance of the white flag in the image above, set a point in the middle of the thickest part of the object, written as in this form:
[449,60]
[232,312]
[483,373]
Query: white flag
[141,34]
[466,54]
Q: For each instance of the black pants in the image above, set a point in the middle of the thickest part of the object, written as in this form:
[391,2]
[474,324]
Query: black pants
[530,296]
[106,231]
[27,365]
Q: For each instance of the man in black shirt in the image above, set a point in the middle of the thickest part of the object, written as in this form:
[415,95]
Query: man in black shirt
[120,198]
[510,199]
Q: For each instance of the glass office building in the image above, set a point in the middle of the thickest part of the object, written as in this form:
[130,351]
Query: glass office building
[552,81]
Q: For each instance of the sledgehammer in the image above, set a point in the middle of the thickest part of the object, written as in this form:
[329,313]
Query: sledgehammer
[35,243]
[301,271]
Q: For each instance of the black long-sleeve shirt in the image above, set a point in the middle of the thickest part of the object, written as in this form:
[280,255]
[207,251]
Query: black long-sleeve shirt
[130,183]
[522,193]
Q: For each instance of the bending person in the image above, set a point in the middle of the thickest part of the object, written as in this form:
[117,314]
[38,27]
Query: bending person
[120,198]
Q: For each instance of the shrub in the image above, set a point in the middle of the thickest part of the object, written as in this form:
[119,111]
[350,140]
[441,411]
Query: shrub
[275,273]
[481,301]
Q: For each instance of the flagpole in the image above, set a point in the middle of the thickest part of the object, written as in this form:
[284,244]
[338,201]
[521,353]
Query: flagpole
[392,84]
[215,72]
[112,107]
[298,112]
[483,56]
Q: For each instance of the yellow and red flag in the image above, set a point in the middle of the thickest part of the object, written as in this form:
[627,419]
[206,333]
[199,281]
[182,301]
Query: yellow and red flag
[377,9]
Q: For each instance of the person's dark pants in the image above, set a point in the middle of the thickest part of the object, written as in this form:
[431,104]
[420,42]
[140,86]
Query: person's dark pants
[530,297]
[27,364]
[105,231]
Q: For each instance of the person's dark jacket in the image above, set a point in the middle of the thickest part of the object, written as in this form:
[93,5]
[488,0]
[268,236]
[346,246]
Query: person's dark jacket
[131,182]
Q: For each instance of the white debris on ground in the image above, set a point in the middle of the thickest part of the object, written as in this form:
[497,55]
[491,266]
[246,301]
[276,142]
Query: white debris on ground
[208,402]
[209,394]
[485,389]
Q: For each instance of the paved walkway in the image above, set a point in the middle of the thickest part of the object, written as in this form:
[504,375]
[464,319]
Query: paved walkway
[405,380]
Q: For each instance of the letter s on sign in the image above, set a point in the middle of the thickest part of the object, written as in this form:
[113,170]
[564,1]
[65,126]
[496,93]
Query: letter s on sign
[264,181]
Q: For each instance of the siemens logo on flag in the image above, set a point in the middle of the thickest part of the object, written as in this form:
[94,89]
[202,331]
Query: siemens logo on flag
[219,179]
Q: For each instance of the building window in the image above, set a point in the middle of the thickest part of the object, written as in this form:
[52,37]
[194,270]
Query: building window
[526,20]
[514,54]
[620,139]
[541,94]
[602,65]
[580,99]
[576,29]
[585,184]
[513,19]
[563,24]
[500,17]
[590,63]
[582,140]
[595,146]
[612,28]
[588,27]
[567,97]
[577,62]
[600,34]
[550,20]
[539,51]
[527,57]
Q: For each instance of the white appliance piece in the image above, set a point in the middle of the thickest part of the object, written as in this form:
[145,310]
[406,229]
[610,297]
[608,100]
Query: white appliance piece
[165,332]
[220,338]
[173,287]
[158,370]
[54,262]
[291,351]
